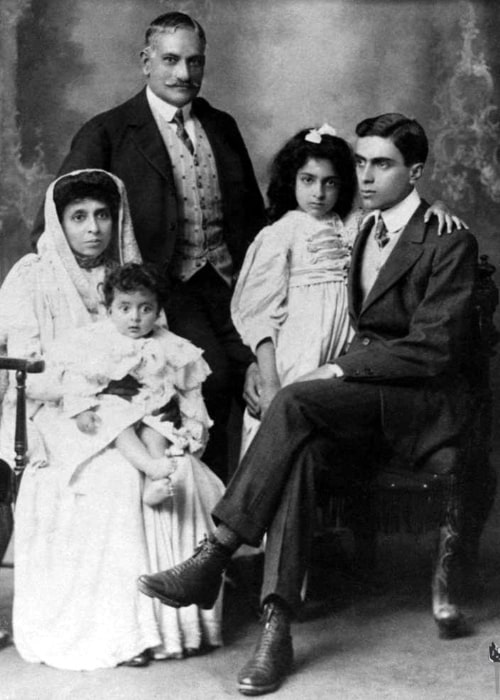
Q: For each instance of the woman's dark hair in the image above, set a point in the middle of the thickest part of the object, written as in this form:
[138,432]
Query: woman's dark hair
[294,154]
[87,185]
[131,277]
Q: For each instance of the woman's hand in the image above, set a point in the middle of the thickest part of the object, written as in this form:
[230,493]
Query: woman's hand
[446,220]
[88,422]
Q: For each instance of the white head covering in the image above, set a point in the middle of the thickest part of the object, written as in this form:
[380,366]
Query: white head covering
[54,247]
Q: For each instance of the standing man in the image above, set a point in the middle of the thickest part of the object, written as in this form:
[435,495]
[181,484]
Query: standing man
[194,200]
[398,388]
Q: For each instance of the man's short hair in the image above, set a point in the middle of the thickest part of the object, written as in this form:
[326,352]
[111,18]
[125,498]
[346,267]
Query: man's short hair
[406,134]
[171,21]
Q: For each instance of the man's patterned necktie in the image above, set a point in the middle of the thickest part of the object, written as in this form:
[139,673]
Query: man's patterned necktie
[181,131]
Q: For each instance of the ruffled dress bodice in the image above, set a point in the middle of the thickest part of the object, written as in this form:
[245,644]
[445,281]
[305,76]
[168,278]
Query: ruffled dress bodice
[293,289]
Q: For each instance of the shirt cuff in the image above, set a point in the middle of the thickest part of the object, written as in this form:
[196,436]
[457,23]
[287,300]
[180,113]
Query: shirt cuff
[337,371]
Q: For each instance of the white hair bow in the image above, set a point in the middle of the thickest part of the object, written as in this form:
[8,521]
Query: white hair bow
[314,135]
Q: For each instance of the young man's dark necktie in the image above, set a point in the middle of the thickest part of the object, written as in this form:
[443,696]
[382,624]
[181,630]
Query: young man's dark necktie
[381,235]
[181,131]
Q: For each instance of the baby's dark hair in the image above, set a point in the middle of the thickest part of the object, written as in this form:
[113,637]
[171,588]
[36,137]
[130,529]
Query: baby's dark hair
[87,185]
[294,154]
[132,277]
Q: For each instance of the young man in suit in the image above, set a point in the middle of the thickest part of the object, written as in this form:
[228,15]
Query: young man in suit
[194,200]
[398,387]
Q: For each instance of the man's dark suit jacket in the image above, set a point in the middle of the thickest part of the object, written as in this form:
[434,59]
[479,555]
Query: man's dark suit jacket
[126,141]
[412,331]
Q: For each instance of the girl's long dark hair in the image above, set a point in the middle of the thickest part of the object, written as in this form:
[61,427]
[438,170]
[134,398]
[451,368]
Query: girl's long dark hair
[294,154]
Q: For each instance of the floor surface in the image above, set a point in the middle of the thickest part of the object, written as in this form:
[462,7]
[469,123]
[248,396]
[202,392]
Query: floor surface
[354,642]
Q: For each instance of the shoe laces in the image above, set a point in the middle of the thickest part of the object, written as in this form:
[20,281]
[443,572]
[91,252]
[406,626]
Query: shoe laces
[212,547]
[202,545]
[269,643]
[274,617]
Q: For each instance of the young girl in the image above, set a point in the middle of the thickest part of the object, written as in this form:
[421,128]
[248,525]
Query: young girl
[290,301]
[164,424]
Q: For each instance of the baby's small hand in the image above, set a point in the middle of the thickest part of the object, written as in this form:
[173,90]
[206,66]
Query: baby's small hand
[88,422]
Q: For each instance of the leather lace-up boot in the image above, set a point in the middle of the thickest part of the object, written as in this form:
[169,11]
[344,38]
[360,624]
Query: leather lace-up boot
[196,581]
[272,659]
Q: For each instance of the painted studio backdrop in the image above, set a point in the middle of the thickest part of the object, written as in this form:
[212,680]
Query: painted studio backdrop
[277,66]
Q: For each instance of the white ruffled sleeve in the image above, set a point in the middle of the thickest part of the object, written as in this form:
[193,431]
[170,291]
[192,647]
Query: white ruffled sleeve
[259,304]
[189,371]
[188,381]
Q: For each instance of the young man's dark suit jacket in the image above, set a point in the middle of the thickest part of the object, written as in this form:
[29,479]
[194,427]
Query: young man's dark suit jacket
[402,372]
[126,141]
[412,332]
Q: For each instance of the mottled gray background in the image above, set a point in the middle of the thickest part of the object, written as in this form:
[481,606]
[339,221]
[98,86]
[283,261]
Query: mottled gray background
[277,66]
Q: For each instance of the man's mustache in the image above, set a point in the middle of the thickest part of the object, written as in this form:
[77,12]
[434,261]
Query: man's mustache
[189,83]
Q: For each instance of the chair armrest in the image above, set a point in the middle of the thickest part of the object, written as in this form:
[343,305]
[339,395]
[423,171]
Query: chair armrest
[31,366]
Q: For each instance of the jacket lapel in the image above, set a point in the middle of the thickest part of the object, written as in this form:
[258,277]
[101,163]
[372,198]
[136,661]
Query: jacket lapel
[146,135]
[403,256]
[354,286]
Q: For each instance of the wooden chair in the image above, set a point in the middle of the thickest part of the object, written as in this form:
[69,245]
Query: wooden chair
[458,505]
[10,477]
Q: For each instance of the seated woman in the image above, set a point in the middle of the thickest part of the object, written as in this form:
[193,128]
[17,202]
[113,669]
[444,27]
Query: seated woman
[79,538]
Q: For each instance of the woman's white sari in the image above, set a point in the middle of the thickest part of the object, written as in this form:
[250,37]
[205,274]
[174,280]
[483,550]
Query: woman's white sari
[78,551]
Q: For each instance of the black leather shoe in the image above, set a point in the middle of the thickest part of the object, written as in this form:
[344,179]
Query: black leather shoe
[138,661]
[272,659]
[195,581]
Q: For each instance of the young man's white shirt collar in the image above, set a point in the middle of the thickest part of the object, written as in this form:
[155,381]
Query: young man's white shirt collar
[399,215]
[166,111]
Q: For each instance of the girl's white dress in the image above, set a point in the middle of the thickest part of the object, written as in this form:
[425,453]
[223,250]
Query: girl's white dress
[80,541]
[292,289]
